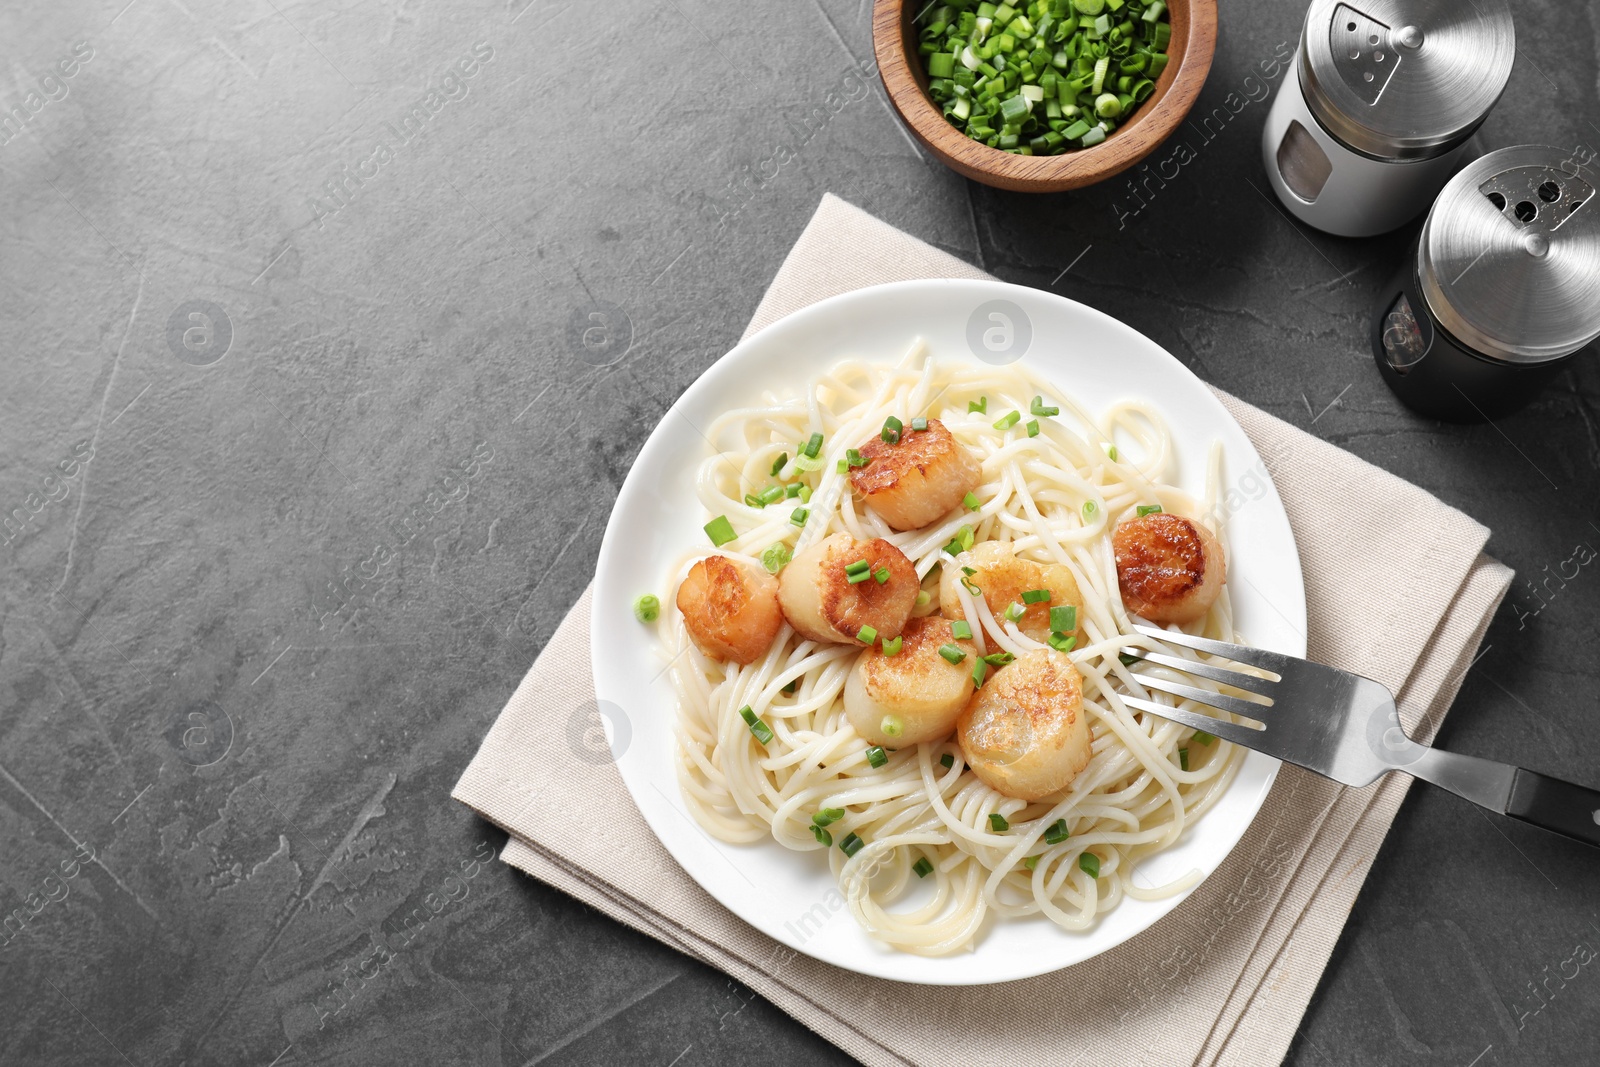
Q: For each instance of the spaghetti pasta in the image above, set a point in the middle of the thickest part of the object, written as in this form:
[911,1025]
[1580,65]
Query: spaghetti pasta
[930,868]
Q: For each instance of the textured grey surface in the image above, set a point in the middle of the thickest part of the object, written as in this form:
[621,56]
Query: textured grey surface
[406,370]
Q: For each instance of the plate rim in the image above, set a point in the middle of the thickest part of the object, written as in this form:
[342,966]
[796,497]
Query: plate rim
[708,380]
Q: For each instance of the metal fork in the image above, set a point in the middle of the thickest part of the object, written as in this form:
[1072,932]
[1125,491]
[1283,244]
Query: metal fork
[1346,727]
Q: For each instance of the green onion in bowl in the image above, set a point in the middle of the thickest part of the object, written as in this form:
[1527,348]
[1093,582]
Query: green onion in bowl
[1044,77]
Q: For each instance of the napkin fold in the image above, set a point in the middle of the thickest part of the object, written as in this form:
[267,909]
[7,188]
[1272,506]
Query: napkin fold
[1225,977]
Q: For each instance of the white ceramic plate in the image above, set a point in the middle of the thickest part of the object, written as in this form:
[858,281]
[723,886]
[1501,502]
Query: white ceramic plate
[791,896]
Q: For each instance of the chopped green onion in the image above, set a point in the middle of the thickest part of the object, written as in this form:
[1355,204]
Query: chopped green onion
[792,490]
[891,430]
[1061,643]
[1036,596]
[952,653]
[1057,832]
[851,844]
[980,671]
[1015,109]
[969,570]
[777,464]
[891,646]
[1089,509]
[791,687]
[924,598]
[1183,758]
[1202,738]
[1064,620]
[823,837]
[867,634]
[799,516]
[812,447]
[1008,420]
[961,628]
[828,816]
[998,659]
[854,458]
[972,502]
[919,423]
[842,467]
[961,542]
[881,575]
[876,756]
[762,731]
[753,501]
[1111,452]
[947,761]
[1031,862]
[980,405]
[1032,427]
[1127,660]
[1038,408]
[997,822]
[1148,509]
[1013,612]
[720,530]
[803,462]
[922,867]
[857,567]
[771,495]
[647,608]
[1089,864]
[776,557]
[892,726]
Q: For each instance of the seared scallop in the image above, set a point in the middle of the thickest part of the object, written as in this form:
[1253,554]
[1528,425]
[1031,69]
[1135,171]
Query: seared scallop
[730,608]
[919,478]
[1025,733]
[914,695]
[1170,568]
[822,603]
[1003,577]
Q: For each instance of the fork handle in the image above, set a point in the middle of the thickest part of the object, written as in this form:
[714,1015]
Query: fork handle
[1565,808]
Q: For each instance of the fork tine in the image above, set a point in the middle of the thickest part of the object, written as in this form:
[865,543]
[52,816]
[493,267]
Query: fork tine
[1255,657]
[1247,708]
[1229,731]
[1237,679]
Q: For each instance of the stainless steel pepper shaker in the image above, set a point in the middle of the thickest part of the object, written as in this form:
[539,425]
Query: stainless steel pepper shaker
[1383,102]
[1502,288]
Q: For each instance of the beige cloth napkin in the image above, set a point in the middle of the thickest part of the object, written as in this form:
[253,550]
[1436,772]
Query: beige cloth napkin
[1403,595]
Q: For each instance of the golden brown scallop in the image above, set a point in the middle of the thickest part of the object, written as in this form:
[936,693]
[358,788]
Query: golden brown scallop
[821,602]
[1170,568]
[1003,577]
[914,695]
[1025,733]
[730,608]
[917,479]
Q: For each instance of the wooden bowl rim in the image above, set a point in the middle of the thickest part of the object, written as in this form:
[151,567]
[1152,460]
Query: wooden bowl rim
[1156,119]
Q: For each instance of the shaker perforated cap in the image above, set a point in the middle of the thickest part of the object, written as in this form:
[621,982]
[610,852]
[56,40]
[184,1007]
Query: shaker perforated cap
[1509,259]
[1405,79]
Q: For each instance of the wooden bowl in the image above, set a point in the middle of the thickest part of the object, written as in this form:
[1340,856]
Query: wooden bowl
[1194,41]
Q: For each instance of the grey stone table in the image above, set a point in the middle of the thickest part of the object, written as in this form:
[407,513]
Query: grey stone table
[282,281]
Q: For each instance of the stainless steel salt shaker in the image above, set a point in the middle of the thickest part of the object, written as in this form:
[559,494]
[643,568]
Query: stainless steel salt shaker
[1384,99]
[1502,289]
